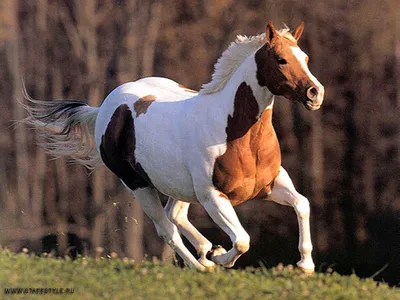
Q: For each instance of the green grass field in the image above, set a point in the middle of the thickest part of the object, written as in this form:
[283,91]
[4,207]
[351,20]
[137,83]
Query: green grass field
[122,279]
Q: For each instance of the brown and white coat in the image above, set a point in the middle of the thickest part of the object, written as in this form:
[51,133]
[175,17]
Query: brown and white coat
[216,147]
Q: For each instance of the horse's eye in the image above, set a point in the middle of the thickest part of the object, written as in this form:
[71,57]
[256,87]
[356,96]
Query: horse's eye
[282,61]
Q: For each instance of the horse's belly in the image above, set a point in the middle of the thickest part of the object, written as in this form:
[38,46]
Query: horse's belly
[168,176]
[176,190]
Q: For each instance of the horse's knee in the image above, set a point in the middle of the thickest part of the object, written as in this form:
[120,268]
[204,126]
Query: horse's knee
[242,243]
[302,207]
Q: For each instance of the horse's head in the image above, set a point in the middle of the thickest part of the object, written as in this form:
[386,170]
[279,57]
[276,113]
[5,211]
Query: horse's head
[282,68]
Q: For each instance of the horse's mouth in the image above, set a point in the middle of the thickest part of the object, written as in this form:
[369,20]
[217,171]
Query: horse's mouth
[311,106]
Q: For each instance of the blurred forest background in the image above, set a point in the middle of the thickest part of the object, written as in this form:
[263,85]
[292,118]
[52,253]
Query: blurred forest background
[345,157]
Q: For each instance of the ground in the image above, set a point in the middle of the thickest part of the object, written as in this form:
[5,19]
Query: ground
[113,278]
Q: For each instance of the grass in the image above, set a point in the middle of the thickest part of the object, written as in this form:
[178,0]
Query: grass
[122,279]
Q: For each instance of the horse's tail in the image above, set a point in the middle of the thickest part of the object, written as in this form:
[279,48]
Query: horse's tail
[65,128]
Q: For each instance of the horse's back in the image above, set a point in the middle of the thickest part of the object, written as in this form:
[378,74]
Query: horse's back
[172,90]
[138,96]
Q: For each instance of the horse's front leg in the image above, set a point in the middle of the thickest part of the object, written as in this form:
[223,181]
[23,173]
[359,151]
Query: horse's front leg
[221,211]
[283,192]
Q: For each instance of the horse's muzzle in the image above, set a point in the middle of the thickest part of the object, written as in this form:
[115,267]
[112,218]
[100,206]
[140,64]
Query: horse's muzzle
[315,97]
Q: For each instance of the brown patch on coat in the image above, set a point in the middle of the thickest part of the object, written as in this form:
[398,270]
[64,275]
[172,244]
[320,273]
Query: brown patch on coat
[186,89]
[117,149]
[252,159]
[277,67]
[141,105]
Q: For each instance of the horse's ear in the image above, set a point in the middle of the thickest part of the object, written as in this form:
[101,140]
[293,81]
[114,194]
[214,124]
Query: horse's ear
[270,32]
[298,31]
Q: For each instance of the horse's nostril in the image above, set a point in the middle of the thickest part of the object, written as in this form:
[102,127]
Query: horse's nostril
[312,93]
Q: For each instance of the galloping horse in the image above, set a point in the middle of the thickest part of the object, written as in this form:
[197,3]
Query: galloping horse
[216,147]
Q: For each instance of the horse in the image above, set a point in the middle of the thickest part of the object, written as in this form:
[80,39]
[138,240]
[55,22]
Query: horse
[216,147]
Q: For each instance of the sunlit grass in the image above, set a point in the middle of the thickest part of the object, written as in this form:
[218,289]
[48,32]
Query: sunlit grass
[114,278]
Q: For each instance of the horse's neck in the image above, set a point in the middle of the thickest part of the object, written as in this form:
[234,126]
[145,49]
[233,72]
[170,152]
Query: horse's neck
[242,99]
[238,106]
[246,74]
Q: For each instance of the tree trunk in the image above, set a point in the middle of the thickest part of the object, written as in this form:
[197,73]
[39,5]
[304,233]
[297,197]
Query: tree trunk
[396,11]
[149,46]
[12,48]
[41,83]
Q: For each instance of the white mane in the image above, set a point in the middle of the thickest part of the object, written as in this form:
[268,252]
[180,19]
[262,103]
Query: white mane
[232,58]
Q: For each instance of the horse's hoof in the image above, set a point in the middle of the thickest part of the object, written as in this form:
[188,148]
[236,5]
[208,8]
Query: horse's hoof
[216,255]
[208,264]
[215,250]
[306,270]
[218,251]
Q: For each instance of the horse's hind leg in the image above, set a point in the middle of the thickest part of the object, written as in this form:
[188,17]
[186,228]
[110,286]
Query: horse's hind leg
[177,212]
[283,192]
[151,205]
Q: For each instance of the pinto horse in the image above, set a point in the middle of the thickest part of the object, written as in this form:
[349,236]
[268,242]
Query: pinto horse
[216,147]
